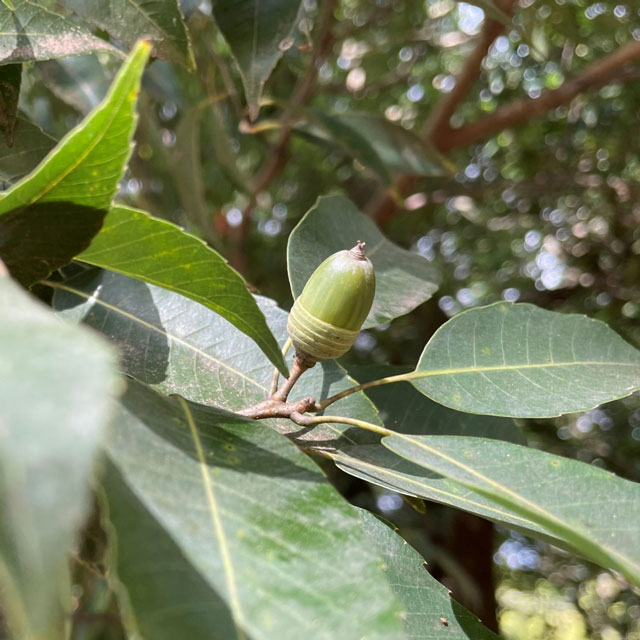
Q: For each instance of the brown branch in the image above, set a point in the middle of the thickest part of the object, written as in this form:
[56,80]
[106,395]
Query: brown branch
[301,95]
[518,112]
[438,129]
[385,203]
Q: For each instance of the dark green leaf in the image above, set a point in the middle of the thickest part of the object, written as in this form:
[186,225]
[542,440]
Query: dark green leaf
[373,463]
[38,239]
[79,81]
[165,255]
[55,382]
[29,31]
[430,610]
[404,279]
[518,360]
[226,562]
[351,141]
[594,511]
[257,32]
[130,20]
[87,164]
[397,148]
[30,146]
[180,346]
[10,78]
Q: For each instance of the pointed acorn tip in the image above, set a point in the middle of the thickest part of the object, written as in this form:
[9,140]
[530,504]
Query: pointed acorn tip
[358,251]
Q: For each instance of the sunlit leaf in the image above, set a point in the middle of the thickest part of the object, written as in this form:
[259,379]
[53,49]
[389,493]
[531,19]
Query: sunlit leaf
[180,346]
[165,255]
[87,164]
[130,20]
[29,31]
[522,361]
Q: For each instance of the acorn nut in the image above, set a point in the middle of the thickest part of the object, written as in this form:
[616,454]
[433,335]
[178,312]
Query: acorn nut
[326,317]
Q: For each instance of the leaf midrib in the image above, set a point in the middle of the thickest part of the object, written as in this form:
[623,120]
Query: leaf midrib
[417,374]
[569,533]
[216,521]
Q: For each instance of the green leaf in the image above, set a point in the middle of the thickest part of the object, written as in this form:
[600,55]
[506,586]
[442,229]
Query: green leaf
[31,144]
[55,382]
[80,81]
[249,538]
[404,279]
[430,610]
[8,4]
[87,164]
[403,408]
[350,140]
[38,239]
[518,360]
[180,346]
[594,511]
[256,32]
[377,465]
[10,79]
[29,31]
[158,252]
[397,148]
[130,20]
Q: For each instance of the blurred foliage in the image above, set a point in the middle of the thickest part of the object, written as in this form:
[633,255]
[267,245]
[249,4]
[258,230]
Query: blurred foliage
[547,213]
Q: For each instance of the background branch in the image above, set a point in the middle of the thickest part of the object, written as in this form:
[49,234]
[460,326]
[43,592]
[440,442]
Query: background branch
[444,138]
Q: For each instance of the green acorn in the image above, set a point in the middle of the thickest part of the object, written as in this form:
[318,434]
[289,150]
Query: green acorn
[326,318]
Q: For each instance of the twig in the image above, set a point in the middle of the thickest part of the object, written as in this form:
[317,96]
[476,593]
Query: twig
[276,405]
[276,374]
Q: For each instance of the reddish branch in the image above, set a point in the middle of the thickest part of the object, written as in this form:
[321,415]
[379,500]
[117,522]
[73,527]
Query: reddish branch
[445,138]
[595,75]
[384,204]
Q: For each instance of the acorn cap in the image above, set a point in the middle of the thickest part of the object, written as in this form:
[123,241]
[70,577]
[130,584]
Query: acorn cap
[326,318]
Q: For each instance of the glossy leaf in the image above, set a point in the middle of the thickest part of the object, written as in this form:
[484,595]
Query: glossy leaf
[180,346]
[40,238]
[10,80]
[155,251]
[226,563]
[130,20]
[257,32]
[30,31]
[87,164]
[31,144]
[55,381]
[430,610]
[591,509]
[522,361]
[404,279]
